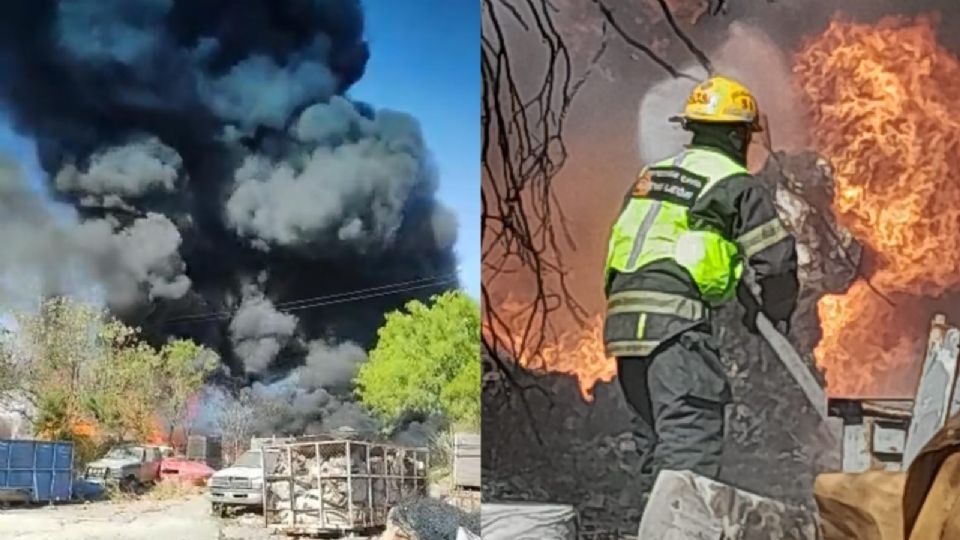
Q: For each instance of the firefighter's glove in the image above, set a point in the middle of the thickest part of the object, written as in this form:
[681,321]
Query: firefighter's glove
[751,307]
[783,327]
[750,320]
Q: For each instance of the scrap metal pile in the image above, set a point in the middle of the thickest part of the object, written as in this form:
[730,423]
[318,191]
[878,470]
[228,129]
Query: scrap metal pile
[566,450]
[340,485]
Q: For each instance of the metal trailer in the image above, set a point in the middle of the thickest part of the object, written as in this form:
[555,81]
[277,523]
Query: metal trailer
[41,471]
[205,449]
[339,486]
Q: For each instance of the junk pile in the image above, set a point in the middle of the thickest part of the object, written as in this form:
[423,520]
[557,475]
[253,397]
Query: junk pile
[900,476]
[917,498]
[569,451]
[307,495]
[320,486]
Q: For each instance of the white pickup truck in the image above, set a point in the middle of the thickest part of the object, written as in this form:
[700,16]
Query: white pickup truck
[241,484]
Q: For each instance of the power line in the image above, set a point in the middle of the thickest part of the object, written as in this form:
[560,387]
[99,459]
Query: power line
[330,299]
[333,298]
[443,277]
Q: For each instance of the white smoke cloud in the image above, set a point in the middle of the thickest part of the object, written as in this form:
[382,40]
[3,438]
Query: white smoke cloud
[331,123]
[259,331]
[133,169]
[354,193]
[47,254]
[754,59]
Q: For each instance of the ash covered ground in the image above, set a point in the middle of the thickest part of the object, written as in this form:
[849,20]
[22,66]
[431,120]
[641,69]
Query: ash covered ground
[588,455]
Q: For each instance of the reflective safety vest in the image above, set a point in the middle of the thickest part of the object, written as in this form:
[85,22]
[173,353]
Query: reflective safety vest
[656,225]
[660,222]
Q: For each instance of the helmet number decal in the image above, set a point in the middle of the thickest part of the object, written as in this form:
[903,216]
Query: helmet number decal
[699,97]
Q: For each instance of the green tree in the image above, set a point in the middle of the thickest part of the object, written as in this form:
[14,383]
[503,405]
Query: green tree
[427,360]
[51,354]
[183,368]
[80,368]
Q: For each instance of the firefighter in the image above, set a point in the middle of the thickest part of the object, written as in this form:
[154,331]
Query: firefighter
[677,251]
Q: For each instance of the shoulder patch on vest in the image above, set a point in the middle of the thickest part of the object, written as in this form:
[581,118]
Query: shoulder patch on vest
[641,188]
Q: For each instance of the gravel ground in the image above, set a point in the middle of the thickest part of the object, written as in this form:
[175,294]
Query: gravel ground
[178,519]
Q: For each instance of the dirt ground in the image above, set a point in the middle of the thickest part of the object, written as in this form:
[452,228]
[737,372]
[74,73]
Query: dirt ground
[176,519]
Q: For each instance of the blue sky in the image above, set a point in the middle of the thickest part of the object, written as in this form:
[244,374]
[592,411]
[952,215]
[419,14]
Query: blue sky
[425,60]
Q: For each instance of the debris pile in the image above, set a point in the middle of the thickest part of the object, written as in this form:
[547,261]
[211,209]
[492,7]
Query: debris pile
[566,450]
[325,485]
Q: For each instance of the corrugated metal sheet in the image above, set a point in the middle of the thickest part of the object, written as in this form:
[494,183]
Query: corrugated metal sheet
[466,460]
[43,467]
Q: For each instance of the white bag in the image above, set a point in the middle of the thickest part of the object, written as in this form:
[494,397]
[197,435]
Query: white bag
[528,521]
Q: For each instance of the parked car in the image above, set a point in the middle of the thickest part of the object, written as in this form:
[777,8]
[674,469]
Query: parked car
[127,466]
[240,484]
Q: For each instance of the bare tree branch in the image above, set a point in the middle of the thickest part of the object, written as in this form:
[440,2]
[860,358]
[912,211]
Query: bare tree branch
[635,43]
[694,50]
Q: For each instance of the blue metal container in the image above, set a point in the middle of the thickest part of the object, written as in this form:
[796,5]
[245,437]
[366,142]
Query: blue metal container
[43,467]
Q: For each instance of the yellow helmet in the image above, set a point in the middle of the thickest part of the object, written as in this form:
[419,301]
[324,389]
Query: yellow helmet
[722,99]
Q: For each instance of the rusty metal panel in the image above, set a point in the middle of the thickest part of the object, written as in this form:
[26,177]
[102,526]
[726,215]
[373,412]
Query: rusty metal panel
[935,390]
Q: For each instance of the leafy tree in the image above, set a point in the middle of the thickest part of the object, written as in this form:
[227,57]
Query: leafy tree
[91,379]
[183,368]
[125,393]
[52,353]
[427,360]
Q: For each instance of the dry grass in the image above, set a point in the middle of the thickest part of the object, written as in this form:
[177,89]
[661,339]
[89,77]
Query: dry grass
[172,489]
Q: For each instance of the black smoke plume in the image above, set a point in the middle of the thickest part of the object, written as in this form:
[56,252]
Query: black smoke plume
[215,162]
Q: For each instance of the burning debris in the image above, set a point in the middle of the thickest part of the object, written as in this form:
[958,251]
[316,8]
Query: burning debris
[210,172]
[884,105]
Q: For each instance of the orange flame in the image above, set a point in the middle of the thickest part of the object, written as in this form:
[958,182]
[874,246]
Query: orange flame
[157,433]
[85,428]
[886,111]
[577,353]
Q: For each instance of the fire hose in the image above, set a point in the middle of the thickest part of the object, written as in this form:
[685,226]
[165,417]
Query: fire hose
[796,367]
